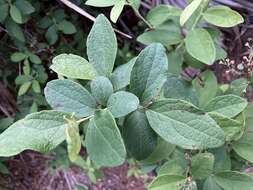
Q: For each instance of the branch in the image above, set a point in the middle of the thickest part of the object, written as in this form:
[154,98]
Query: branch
[90,17]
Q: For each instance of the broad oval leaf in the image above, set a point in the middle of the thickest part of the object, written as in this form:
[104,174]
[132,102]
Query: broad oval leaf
[102,46]
[121,75]
[230,180]
[67,27]
[101,89]
[4,10]
[202,165]
[73,66]
[149,73]
[41,131]
[167,182]
[227,105]
[122,103]
[222,16]
[199,44]
[185,129]
[162,13]
[104,143]
[189,11]
[139,137]
[210,184]
[71,97]
[16,14]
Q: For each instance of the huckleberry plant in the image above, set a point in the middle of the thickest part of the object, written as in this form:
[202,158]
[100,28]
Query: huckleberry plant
[128,111]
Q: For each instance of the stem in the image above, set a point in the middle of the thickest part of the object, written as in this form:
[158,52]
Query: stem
[143,19]
[84,119]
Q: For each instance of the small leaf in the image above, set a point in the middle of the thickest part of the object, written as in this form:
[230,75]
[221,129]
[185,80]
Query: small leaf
[206,86]
[199,44]
[16,14]
[234,180]
[139,137]
[185,129]
[172,167]
[52,35]
[73,140]
[14,30]
[24,88]
[164,37]
[67,27]
[71,97]
[189,11]
[222,16]
[178,88]
[41,131]
[122,103]
[18,56]
[121,75]
[73,66]
[149,73]
[202,165]
[101,89]
[162,13]
[167,182]
[101,3]
[117,9]
[102,46]
[103,140]
[25,6]
[36,86]
[34,58]
[227,105]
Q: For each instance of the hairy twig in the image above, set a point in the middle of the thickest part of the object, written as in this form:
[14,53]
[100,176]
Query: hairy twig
[89,16]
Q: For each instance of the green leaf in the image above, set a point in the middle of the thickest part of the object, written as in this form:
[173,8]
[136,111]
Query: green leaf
[101,3]
[4,10]
[202,165]
[189,11]
[121,75]
[103,140]
[164,37]
[66,27]
[231,127]
[134,3]
[244,147]
[149,73]
[227,105]
[239,86]
[172,167]
[24,88]
[222,159]
[122,103]
[41,131]
[139,137]
[178,88]
[222,16]
[18,56]
[210,184]
[206,86]
[185,129]
[14,30]
[52,35]
[34,58]
[25,6]
[234,180]
[175,61]
[102,46]
[167,182]
[16,14]
[71,97]
[73,66]
[73,140]
[199,44]
[101,89]
[162,13]
[36,86]
[162,151]
[116,10]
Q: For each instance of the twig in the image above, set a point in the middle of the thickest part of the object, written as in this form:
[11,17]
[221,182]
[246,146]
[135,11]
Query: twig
[90,17]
